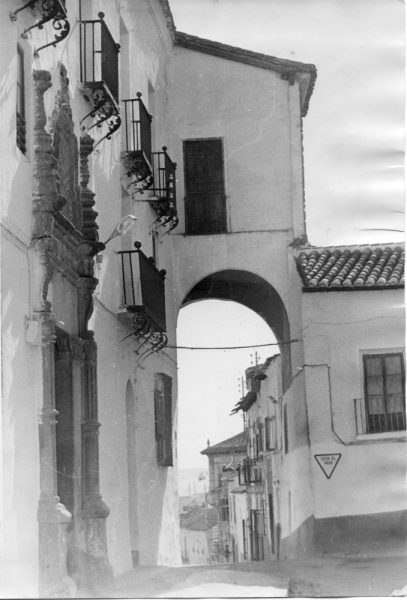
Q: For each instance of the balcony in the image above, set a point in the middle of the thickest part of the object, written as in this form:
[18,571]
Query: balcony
[137,156]
[164,189]
[49,10]
[373,416]
[249,472]
[99,74]
[143,301]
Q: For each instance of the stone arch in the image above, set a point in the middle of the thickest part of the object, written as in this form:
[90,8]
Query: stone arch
[255,293]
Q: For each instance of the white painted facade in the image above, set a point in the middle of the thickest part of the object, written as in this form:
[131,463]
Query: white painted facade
[81,502]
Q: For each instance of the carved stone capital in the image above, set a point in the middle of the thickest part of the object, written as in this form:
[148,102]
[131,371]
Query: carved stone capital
[48,416]
[95,507]
[77,348]
[90,350]
[63,350]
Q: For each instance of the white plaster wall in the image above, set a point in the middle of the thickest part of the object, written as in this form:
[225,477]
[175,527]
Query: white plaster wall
[258,131]
[338,328]
[237,529]
[196,545]
[21,401]
[147,46]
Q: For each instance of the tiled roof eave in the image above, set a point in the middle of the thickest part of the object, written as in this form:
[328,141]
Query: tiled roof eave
[364,288]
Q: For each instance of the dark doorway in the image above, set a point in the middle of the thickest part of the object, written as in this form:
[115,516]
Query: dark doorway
[65,420]
[205,205]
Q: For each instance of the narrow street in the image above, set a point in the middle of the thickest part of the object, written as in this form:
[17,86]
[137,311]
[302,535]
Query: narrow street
[317,577]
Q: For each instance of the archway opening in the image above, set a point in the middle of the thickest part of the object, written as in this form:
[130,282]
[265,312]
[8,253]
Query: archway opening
[211,382]
[228,321]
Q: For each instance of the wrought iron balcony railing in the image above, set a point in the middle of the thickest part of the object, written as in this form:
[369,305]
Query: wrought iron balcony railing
[249,472]
[373,416]
[137,155]
[99,73]
[49,10]
[164,188]
[143,301]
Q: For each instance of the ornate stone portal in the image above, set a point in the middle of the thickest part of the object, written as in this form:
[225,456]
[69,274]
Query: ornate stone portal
[72,528]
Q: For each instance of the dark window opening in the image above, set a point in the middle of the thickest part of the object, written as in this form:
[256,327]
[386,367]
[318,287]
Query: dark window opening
[205,203]
[163,418]
[384,392]
[285,430]
[20,103]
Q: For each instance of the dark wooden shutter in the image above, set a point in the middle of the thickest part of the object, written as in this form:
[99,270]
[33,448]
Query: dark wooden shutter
[285,429]
[168,461]
[204,183]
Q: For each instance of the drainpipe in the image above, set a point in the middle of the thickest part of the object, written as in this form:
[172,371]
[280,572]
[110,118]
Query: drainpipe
[328,368]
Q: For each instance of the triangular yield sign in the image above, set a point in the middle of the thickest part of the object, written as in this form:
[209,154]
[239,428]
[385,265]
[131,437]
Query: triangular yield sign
[327,462]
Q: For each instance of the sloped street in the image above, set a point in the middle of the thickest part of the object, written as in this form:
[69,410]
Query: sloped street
[317,577]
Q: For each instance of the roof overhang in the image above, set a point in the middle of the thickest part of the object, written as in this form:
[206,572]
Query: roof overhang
[304,74]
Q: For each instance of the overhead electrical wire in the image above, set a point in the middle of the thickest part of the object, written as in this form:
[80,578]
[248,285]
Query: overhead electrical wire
[231,347]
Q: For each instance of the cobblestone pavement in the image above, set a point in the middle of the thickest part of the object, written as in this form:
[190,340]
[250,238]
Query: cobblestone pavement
[316,577]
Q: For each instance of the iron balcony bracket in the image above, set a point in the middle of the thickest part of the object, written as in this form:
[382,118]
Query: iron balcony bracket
[50,10]
[137,171]
[153,339]
[104,109]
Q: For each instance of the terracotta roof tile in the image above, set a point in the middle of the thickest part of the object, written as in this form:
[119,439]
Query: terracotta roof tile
[346,268]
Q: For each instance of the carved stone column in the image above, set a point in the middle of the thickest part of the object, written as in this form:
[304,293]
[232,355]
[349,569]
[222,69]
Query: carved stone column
[45,197]
[53,518]
[89,225]
[95,510]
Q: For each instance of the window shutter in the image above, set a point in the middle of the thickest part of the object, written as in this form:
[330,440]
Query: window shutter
[168,459]
[204,184]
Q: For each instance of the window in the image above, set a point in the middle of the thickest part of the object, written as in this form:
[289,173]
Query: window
[163,418]
[259,439]
[245,554]
[20,103]
[384,392]
[269,433]
[204,185]
[285,418]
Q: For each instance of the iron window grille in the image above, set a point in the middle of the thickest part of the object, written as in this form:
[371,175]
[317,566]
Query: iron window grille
[49,10]
[99,74]
[249,472]
[383,407]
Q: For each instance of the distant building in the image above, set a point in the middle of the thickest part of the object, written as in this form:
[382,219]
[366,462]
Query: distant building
[325,458]
[223,459]
[196,534]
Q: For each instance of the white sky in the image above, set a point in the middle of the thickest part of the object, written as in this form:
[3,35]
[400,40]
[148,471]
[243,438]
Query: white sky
[353,160]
